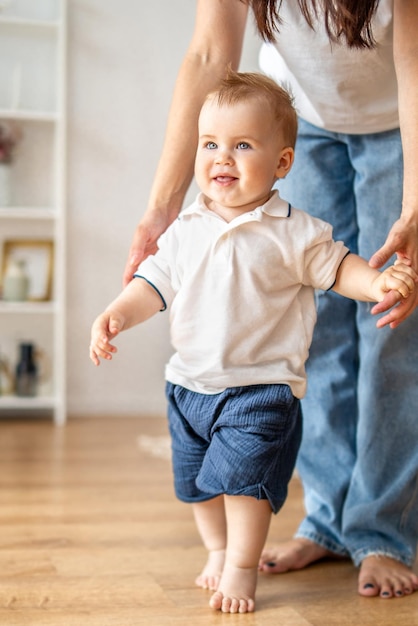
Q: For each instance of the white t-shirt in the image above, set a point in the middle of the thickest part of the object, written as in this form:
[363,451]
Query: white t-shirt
[341,89]
[241,294]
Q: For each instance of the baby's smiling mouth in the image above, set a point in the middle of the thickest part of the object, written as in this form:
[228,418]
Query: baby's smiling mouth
[224,179]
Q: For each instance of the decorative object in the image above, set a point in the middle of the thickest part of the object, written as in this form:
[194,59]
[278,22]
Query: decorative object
[6,377]
[16,281]
[39,258]
[10,135]
[26,372]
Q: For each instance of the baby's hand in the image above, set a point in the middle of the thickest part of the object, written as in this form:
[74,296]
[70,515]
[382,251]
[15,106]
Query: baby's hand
[397,285]
[104,329]
[398,277]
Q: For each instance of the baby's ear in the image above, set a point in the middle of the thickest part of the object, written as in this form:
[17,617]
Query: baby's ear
[286,158]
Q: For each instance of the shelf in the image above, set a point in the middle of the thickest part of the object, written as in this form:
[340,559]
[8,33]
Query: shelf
[29,115]
[27,213]
[25,308]
[25,23]
[33,79]
[35,403]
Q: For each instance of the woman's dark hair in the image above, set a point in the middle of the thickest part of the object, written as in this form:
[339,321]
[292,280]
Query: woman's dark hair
[347,21]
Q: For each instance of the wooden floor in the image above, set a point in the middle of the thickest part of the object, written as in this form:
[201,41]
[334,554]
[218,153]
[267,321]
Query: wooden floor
[91,535]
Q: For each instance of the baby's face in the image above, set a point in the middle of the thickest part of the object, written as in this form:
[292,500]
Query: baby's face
[239,153]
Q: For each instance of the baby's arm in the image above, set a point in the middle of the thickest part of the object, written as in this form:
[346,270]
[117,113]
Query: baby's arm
[135,304]
[357,280]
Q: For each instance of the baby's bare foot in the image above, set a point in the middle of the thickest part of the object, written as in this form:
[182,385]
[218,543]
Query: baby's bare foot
[385,577]
[292,555]
[236,590]
[211,574]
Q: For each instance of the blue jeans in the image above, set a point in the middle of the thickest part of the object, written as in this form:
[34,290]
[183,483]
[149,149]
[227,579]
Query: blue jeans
[359,456]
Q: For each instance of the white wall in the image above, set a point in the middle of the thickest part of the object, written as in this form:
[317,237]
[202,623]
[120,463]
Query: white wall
[123,60]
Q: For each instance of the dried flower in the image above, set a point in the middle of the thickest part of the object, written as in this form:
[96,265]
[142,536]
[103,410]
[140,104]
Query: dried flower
[10,134]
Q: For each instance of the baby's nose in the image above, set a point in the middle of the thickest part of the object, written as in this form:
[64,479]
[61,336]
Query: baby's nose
[224,156]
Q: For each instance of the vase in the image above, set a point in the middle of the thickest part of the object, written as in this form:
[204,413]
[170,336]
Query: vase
[5,184]
[26,372]
[16,281]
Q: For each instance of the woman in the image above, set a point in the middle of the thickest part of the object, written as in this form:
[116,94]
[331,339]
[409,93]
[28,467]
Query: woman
[354,75]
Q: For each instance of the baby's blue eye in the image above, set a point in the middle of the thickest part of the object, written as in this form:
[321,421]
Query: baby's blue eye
[243,145]
[211,145]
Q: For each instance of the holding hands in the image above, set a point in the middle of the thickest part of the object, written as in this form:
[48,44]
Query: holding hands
[397,285]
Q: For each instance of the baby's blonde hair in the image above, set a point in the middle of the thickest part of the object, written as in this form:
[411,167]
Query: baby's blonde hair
[241,86]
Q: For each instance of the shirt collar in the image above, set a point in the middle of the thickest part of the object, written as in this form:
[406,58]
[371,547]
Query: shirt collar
[275,207]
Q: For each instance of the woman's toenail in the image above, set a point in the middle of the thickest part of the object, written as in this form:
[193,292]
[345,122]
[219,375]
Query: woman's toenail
[385,594]
[399,593]
[271,564]
[368,586]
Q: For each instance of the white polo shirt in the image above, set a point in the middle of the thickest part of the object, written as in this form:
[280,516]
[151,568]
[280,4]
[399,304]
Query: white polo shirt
[241,294]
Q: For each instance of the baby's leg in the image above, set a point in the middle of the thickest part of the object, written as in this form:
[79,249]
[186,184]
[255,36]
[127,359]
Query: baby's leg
[211,524]
[248,521]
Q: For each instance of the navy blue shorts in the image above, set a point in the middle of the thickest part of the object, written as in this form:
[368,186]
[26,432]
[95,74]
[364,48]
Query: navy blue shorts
[243,441]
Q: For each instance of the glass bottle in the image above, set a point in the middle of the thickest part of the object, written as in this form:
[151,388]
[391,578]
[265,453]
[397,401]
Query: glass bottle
[26,372]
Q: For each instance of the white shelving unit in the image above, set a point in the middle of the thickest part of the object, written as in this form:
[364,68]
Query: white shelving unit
[32,95]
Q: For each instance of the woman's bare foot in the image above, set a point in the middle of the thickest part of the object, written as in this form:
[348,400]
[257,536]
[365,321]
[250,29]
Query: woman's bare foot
[211,574]
[236,590]
[385,577]
[292,555]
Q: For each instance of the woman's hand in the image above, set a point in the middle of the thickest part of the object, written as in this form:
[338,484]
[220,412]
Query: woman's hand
[144,242]
[398,309]
[402,240]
